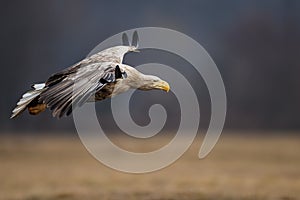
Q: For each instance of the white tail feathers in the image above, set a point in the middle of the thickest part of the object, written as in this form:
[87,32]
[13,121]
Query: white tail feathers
[27,98]
[39,86]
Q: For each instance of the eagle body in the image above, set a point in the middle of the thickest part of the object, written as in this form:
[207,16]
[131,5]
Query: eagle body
[95,78]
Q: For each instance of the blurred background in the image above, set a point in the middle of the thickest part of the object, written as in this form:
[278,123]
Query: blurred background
[255,45]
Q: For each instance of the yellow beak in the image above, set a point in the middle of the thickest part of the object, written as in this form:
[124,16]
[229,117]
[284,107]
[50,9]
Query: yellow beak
[163,85]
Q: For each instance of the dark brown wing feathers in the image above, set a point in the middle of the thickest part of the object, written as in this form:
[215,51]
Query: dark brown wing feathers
[75,85]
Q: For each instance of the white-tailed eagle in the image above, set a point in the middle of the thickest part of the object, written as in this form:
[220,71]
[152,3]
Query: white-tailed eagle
[95,78]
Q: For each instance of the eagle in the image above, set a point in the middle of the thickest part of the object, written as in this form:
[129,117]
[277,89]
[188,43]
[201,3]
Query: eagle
[95,78]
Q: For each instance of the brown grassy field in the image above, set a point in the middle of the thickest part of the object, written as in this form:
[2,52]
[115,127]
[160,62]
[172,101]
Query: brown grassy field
[240,167]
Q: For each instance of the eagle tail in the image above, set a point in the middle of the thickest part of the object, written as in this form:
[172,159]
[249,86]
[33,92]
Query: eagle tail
[30,100]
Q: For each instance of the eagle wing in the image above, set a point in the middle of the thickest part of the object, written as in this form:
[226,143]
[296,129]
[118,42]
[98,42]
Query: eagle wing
[74,86]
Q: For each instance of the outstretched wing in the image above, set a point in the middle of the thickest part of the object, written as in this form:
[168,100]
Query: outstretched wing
[75,85]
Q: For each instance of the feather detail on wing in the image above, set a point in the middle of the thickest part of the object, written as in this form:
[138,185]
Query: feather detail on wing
[71,88]
[113,54]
